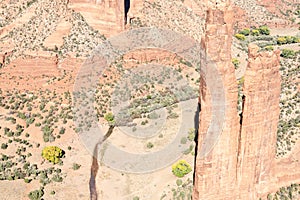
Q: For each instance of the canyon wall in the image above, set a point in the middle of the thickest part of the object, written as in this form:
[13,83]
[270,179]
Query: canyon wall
[106,16]
[242,164]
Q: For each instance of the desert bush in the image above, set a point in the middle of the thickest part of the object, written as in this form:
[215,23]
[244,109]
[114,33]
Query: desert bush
[245,32]
[36,194]
[191,134]
[183,140]
[57,178]
[181,168]
[264,30]
[235,62]
[281,40]
[52,154]
[178,182]
[269,48]
[173,116]
[150,145]
[4,146]
[76,166]
[62,130]
[287,53]
[26,180]
[110,118]
[287,40]
[240,36]
[255,32]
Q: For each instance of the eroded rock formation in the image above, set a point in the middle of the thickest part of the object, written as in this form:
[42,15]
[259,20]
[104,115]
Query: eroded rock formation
[214,177]
[257,139]
[242,164]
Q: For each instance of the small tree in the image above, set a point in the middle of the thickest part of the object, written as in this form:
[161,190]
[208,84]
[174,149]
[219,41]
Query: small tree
[52,154]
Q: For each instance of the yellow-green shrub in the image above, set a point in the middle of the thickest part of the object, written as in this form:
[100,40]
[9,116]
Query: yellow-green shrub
[235,62]
[255,32]
[264,30]
[52,154]
[245,31]
[181,168]
[240,36]
[269,48]
[281,40]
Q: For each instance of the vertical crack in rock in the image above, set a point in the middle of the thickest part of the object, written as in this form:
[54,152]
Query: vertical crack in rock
[196,122]
[239,143]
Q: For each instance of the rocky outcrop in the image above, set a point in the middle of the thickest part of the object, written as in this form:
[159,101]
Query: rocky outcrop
[106,16]
[242,164]
[257,140]
[215,176]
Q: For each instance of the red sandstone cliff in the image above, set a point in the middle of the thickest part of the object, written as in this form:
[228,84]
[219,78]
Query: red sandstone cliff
[242,164]
[215,175]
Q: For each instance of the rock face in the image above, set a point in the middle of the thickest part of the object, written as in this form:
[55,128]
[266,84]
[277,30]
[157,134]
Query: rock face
[242,163]
[214,174]
[257,139]
[106,16]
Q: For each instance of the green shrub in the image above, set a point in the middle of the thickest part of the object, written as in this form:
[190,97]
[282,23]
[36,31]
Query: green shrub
[179,182]
[235,62]
[110,118]
[76,166]
[287,53]
[52,154]
[264,30]
[281,40]
[150,145]
[255,32]
[181,168]
[287,40]
[57,178]
[183,140]
[245,32]
[26,180]
[36,194]
[4,146]
[269,48]
[191,135]
[62,130]
[240,36]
